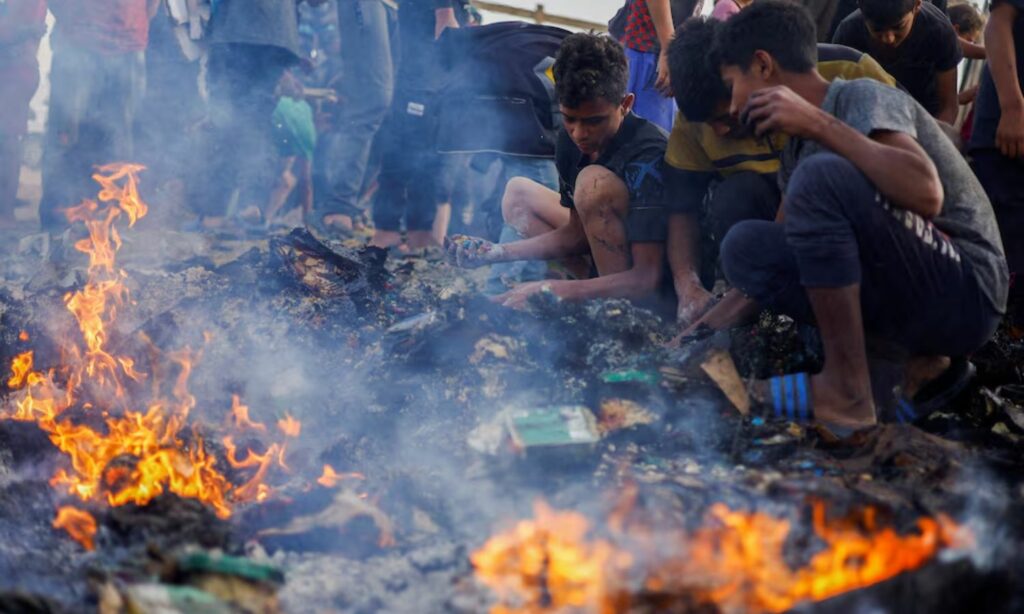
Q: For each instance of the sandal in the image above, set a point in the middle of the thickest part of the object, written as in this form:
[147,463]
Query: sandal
[791,401]
[938,393]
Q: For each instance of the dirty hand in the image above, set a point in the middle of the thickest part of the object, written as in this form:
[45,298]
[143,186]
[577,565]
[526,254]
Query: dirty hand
[693,303]
[517,297]
[472,252]
[780,109]
[1010,133]
[664,82]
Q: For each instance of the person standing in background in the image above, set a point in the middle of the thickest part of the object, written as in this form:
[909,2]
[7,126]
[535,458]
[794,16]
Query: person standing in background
[252,43]
[997,144]
[650,25]
[97,79]
[22,24]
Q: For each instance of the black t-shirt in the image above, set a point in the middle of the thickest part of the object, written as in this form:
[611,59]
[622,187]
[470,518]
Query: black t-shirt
[635,155]
[986,111]
[931,47]
[845,7]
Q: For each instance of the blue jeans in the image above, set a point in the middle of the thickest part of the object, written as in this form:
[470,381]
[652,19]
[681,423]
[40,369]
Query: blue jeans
[369,38]
[838,231]
[650,104]
[539,170]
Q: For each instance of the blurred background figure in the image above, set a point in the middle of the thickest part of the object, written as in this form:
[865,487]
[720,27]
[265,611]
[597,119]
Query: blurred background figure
[98,78]
[22,24]
[251,44]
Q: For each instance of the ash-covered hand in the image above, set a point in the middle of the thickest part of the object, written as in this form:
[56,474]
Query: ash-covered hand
[472,252]
[517,297]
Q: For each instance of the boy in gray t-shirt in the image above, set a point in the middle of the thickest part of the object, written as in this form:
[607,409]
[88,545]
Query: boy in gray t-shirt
[884,230]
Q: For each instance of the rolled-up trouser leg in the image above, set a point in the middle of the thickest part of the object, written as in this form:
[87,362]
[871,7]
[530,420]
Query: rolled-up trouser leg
[916,290]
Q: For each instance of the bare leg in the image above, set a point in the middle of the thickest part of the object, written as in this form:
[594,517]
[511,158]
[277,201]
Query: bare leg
[286,182]
[532,209]
[842,391]
[386,238]
[921,370]
[602,202]
[419,239]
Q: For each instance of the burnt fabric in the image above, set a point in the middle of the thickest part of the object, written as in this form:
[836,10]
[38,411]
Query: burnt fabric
[916,289]
[635,156]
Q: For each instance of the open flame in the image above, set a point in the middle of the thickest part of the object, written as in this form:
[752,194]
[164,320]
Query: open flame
[144,446]
[79,524]
[734,560]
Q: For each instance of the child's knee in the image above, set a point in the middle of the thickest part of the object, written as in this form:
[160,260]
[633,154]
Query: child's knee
[516,202]
[598,190]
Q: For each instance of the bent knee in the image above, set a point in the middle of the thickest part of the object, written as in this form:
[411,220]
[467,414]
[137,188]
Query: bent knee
[600,190]
[516,204]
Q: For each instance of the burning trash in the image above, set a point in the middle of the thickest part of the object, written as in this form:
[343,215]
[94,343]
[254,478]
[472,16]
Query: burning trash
[146,445]
[735,561]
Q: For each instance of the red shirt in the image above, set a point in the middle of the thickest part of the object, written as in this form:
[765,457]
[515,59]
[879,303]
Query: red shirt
[108,26]
[640,33]
[22,21]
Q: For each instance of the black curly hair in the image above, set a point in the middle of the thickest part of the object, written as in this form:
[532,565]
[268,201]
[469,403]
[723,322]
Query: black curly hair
[696,81]
[588,67]
[885,13]
[782,28]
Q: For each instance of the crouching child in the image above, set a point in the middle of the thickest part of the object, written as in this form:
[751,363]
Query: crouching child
[607,222]
[886,231]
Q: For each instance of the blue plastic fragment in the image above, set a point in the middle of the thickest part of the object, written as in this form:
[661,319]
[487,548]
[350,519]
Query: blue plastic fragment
[757,421]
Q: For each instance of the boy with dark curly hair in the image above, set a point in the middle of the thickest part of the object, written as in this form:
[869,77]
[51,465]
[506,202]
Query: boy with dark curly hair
[717,173]
[885,230]
[916,43]
[607,221]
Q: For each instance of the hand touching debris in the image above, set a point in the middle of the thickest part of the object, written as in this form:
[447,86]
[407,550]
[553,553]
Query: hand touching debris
[472,252]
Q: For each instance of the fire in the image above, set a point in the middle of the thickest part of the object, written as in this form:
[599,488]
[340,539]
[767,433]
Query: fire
[331,478]
[240,414]
[289,426]
[548,563]
[735,561]
[80,525]
[144,447]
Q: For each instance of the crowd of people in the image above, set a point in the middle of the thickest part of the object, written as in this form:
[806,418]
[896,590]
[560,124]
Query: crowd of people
[815,158]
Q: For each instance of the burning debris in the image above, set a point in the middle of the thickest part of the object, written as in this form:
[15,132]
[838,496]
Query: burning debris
[370,426]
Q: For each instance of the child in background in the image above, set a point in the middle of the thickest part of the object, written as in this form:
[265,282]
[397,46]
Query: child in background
[914,42]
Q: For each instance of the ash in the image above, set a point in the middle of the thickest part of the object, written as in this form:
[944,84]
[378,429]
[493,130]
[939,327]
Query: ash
[395,368]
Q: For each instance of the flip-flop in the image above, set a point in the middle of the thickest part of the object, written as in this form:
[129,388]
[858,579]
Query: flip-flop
[937,393]
[791,401]
[316,225]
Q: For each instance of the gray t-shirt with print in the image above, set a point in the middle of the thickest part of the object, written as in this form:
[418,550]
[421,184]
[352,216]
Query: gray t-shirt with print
[966,217]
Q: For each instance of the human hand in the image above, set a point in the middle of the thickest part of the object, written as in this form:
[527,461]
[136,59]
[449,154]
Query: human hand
[694,301]
[1010,133]
[472,252]
[664,82]
[517,297]
[780,109]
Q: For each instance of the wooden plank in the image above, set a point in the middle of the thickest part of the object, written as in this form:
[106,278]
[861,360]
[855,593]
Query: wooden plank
[539,15]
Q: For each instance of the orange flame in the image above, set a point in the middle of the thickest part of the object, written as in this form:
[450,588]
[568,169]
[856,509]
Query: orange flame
[734,561]
[331,478]
[289,426]
[80,525]
[240,414]
[139,454]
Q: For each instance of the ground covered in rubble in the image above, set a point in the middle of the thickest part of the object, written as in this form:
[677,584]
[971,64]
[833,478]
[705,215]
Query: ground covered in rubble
[400,371]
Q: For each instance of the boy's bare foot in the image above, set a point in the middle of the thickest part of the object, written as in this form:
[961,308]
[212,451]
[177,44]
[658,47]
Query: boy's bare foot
[834,403]
[420,239]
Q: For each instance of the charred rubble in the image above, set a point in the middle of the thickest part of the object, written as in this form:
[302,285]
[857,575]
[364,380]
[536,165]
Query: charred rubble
[393,365]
